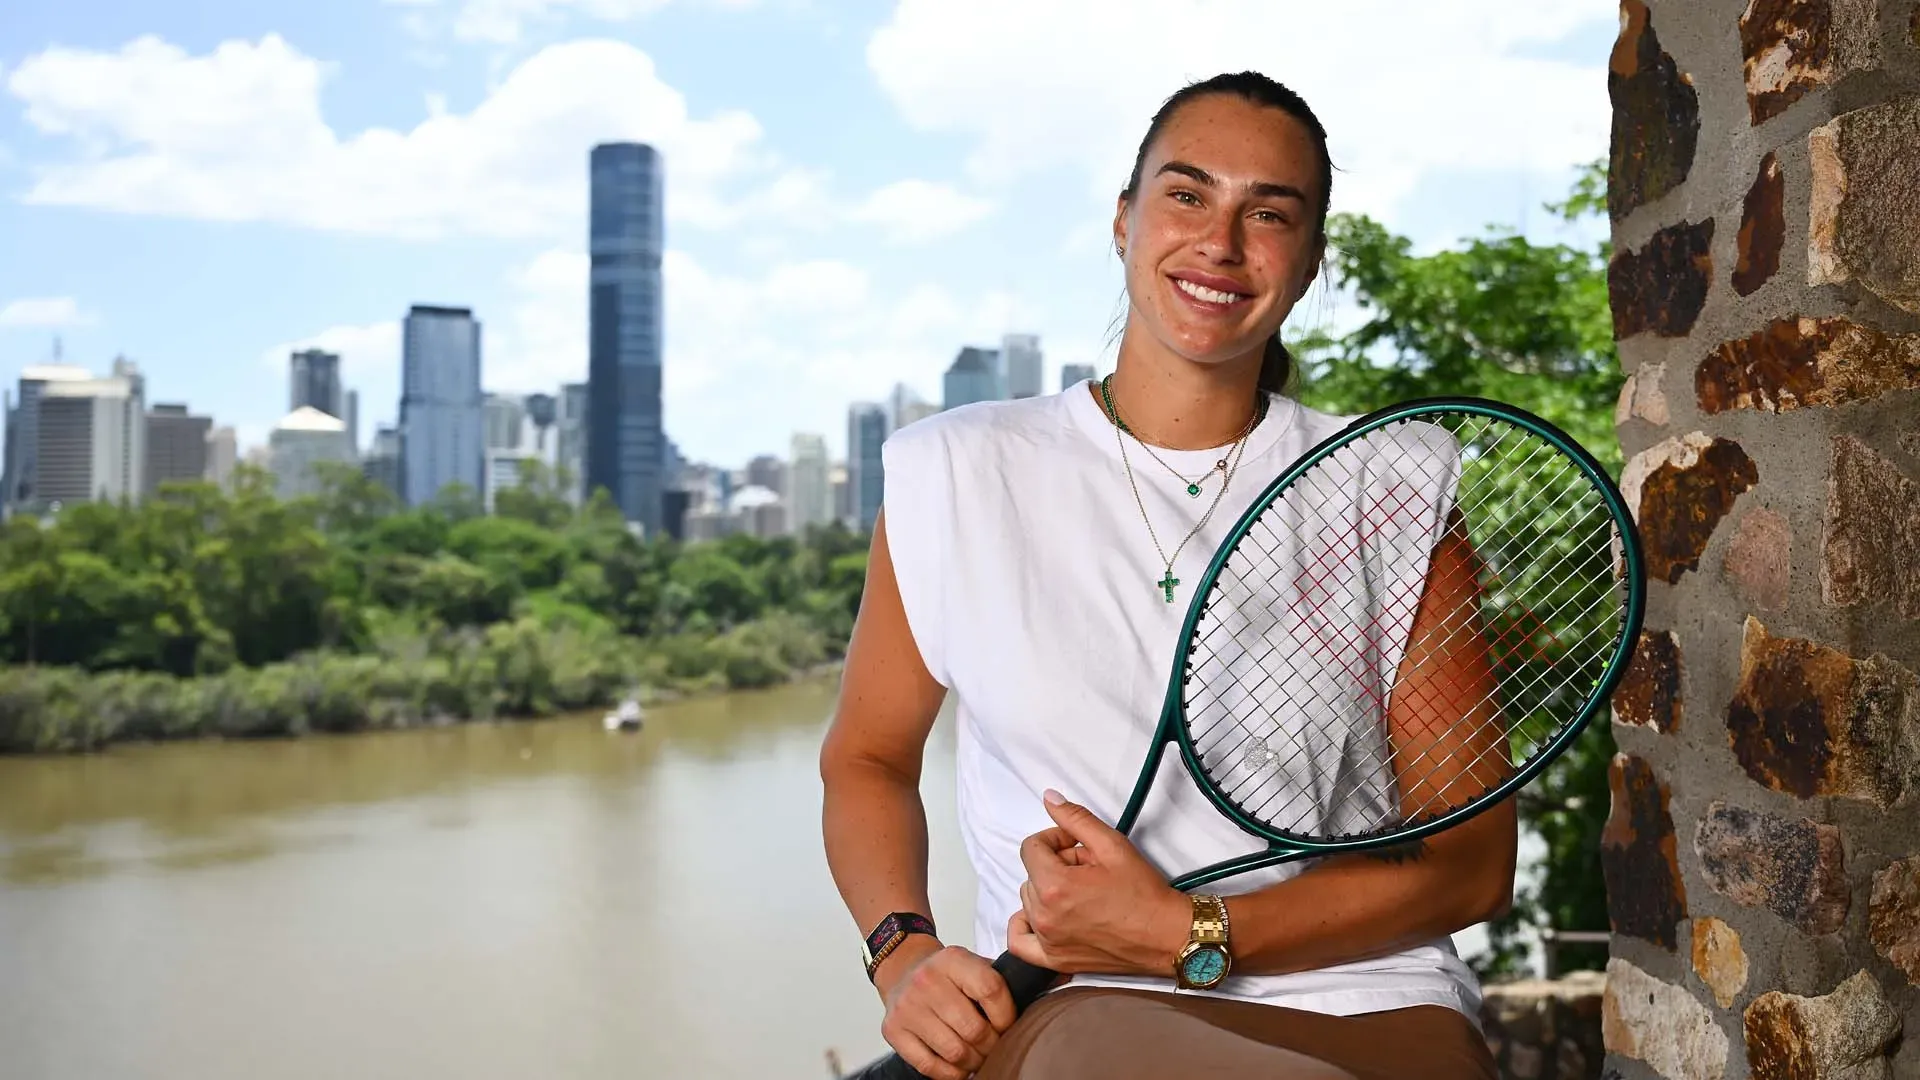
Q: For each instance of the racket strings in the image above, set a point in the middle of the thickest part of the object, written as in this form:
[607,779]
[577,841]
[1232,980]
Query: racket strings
[1305,703]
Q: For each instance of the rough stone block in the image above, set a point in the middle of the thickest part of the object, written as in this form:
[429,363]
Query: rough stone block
[1656,116]
[1794,868]
[1864,221]
[1763,228]
[1660,1024]
[1872,531]
[1679,489]
[1799,362]
[1841,1036]
[1792,47]
[1809,720]
[1719,960]
[1893,916]
[1645,896]
[1663,286]
[1759,559]
[1649,693]
[1641,396]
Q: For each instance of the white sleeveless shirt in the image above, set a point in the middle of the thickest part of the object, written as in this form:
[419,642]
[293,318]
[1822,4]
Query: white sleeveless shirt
[1031,587]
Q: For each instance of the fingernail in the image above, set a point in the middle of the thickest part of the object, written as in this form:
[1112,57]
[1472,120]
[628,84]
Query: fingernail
[1053,797]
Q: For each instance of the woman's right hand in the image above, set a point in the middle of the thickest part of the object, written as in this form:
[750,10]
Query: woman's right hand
[946,1007]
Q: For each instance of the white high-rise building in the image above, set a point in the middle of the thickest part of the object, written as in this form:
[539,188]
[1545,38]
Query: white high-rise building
[303,439]
[91,439]
[1020,364]
[506,420]
[504,472]
[809,484]
[223,455]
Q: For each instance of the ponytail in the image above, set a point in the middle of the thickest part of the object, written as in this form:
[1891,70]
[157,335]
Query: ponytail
[1276,367]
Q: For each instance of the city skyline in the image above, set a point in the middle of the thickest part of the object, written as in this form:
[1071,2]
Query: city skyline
[206,194]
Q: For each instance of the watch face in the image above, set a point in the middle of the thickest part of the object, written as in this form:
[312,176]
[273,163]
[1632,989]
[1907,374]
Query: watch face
[1204,967]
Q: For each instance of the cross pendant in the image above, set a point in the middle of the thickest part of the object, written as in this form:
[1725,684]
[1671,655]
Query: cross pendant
[1167,583]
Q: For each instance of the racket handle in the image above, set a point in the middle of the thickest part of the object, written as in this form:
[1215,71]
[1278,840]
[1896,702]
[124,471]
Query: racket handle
[1025,983]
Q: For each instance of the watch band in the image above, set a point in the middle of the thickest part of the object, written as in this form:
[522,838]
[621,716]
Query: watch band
[1208,934]
[887,937]
[1209,920]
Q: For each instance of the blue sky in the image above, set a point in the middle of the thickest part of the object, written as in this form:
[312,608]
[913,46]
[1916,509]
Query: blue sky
[856,188]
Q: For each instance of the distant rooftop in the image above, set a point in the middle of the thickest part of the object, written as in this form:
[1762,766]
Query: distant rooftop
[435,309]
[55,373]
[754,495]
[88,387]
[308,418]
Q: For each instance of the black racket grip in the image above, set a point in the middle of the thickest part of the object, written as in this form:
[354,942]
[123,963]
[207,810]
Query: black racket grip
[1025,983]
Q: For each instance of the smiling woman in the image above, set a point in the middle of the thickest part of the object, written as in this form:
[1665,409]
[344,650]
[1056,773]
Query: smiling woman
[1028,558]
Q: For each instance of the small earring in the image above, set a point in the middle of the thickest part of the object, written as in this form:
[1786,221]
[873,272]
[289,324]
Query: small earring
[1122,249]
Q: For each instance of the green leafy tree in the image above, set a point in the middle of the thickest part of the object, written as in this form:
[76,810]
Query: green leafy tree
[1499,317]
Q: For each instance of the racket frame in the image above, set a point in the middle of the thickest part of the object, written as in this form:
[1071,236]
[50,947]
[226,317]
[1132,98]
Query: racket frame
[1283,846]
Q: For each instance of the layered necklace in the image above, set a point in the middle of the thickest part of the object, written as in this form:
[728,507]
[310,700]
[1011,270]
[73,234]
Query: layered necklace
[1225,467]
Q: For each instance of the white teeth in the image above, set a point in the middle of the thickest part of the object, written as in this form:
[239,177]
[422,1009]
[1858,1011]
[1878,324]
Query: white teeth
[1201,292]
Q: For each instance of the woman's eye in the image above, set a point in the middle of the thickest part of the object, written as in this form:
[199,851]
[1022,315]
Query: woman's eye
[1185,196]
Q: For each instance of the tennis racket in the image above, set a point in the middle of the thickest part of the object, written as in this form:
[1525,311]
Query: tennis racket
[1406,626]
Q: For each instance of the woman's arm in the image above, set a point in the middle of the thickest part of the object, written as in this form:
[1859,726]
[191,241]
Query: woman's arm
[1449,745]
[945,1006]
[874,822]
[1347,907]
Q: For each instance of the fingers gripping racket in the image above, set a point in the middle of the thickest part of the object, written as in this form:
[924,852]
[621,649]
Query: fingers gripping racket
[1406,626]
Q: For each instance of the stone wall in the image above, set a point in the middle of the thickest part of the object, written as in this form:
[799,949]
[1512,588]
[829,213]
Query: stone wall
[1763,855]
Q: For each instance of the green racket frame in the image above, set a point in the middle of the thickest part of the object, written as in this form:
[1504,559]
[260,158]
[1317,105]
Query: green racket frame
[1284,847]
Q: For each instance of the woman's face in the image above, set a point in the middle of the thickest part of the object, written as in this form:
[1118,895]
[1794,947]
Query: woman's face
[1220,235]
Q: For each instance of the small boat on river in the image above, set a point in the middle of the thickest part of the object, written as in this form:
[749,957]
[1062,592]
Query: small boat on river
[628,717]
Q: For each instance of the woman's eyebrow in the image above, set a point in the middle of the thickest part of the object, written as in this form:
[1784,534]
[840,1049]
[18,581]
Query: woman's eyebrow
[1262,188]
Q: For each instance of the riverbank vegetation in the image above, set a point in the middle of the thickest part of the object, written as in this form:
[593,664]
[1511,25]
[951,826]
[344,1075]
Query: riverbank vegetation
[211,612]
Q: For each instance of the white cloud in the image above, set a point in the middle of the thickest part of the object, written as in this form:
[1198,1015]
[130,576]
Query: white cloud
[237,135]
[1402,88]
[541,341]
[43,312]
[506,22]
[917,210]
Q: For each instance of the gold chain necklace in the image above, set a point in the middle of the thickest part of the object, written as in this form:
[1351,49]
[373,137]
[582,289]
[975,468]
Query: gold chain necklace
[1193,486]
[1228,466]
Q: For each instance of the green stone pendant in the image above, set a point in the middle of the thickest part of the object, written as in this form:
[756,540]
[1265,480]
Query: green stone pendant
[1193,490]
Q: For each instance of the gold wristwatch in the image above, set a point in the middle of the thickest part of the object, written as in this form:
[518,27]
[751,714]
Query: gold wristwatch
[1205,961]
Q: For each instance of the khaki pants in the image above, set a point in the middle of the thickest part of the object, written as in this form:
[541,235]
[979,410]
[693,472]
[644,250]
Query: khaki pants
[1108,1033]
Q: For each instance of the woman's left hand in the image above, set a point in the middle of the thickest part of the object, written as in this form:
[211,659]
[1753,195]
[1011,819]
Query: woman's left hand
[1092,903]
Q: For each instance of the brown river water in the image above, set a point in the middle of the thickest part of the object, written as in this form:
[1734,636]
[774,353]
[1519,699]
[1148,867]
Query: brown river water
[482,901]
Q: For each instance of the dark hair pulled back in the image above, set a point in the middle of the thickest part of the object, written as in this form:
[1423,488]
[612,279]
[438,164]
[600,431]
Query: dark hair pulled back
[1276,365]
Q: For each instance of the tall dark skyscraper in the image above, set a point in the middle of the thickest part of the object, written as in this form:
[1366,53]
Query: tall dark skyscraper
[314,380]
[626,437]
